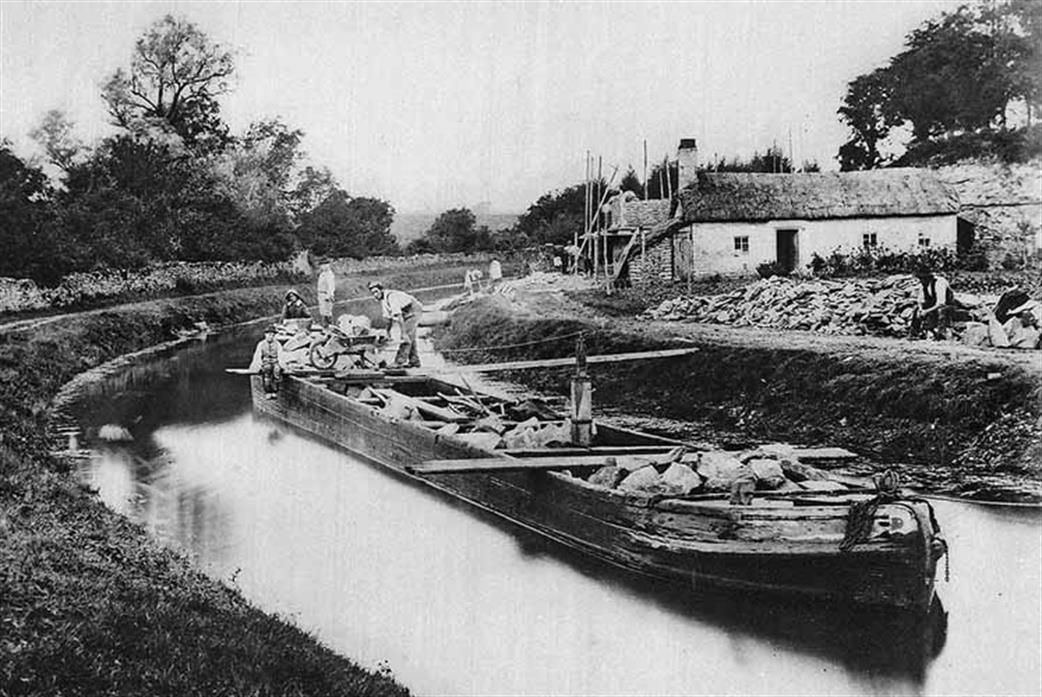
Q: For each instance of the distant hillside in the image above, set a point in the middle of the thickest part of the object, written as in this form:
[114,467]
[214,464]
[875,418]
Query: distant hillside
[409,226]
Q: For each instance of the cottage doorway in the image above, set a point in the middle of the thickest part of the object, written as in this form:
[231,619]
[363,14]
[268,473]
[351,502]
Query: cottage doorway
[788,249]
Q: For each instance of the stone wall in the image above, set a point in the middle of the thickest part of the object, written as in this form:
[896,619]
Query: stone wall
[1004,202]
[656,267]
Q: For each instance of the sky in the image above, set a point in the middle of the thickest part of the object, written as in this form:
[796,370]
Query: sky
[487,105]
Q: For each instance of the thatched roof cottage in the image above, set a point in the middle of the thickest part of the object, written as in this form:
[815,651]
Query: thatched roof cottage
[730,223]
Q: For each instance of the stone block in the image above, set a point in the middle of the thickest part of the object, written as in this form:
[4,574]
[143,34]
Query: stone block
[645,480]
[608,476]
[768,473]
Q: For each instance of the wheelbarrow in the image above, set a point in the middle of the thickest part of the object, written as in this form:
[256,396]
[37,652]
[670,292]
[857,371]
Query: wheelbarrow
[332,343]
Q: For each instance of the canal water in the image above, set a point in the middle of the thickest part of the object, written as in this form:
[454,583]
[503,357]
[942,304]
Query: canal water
[455,601]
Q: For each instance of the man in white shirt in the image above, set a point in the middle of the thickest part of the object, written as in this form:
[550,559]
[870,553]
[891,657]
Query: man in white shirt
[495,274]
[936,301]
[326,290]
[404,310]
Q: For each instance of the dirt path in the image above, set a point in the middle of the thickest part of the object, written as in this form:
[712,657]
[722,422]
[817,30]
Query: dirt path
[553,302]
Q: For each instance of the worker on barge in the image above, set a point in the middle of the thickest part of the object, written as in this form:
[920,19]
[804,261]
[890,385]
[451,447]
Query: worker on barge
[294,307]
[268,360]
[404,310]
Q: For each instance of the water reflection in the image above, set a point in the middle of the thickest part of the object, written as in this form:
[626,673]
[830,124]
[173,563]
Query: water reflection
[459,602]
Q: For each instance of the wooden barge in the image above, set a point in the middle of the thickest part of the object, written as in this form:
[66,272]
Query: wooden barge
[795,542]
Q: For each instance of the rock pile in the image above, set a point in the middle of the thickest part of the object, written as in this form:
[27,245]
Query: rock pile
[877,306]
[771,467]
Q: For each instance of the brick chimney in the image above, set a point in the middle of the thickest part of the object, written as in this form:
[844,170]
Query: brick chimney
[687,162]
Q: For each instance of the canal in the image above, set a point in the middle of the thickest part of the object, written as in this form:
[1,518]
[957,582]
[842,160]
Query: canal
[455,601]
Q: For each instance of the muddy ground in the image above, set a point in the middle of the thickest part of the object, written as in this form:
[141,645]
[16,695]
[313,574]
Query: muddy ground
[951,419]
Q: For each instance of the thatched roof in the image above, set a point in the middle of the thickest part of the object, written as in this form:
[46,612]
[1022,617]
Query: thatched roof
[719,197]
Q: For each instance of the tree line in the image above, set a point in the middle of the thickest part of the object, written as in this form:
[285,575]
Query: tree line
[173,182]
[966,84]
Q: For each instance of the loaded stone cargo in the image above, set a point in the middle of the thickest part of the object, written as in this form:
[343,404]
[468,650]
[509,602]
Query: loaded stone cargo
[771,467]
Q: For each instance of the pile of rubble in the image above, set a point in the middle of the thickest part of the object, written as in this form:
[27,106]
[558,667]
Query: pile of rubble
[770,467]
[878,306]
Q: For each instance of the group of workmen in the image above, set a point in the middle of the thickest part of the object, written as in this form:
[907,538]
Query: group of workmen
[401,309]
[1012,323]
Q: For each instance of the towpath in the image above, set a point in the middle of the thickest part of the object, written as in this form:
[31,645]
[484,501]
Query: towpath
[554,300]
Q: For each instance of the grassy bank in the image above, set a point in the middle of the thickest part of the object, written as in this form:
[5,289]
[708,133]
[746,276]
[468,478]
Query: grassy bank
[88,604]
[895,405]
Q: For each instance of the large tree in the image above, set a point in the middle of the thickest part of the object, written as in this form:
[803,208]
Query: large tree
[346,226]
[958,74]
[256,169]
[55,135]
[554,218]
[175,76]
[454,230]
[28,235]
[871,114]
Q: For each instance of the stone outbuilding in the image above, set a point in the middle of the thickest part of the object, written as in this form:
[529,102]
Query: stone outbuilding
[628,220]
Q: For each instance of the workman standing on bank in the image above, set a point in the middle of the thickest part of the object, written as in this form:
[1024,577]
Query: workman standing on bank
[326,291]
[404,310]
[269,361]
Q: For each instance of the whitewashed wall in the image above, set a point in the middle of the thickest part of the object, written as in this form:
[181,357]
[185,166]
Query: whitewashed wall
[715,252]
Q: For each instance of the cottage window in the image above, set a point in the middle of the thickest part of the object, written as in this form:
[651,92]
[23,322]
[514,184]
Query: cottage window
[741,244]
[924,241]
[868,239]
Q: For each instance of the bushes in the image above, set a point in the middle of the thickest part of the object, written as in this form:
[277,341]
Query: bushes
[871,260]
[182,278]
[772,268]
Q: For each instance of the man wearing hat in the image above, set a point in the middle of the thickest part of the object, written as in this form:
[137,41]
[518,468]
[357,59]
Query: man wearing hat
[269,362]
[326,290]
[404,310]
[294,307]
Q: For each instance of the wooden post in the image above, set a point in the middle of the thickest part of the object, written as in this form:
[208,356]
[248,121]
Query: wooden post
[643,260]
[691,270]
[645,169]
[582,398]
[586,223]
[600,196]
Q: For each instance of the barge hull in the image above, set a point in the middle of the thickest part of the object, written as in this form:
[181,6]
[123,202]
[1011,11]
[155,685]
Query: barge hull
[677,541]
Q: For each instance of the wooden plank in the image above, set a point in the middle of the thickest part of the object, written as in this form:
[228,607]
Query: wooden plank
[526,464]
[824,454]
[594,450]
[555,362]
[302,372]
[500,464]
[623,257]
